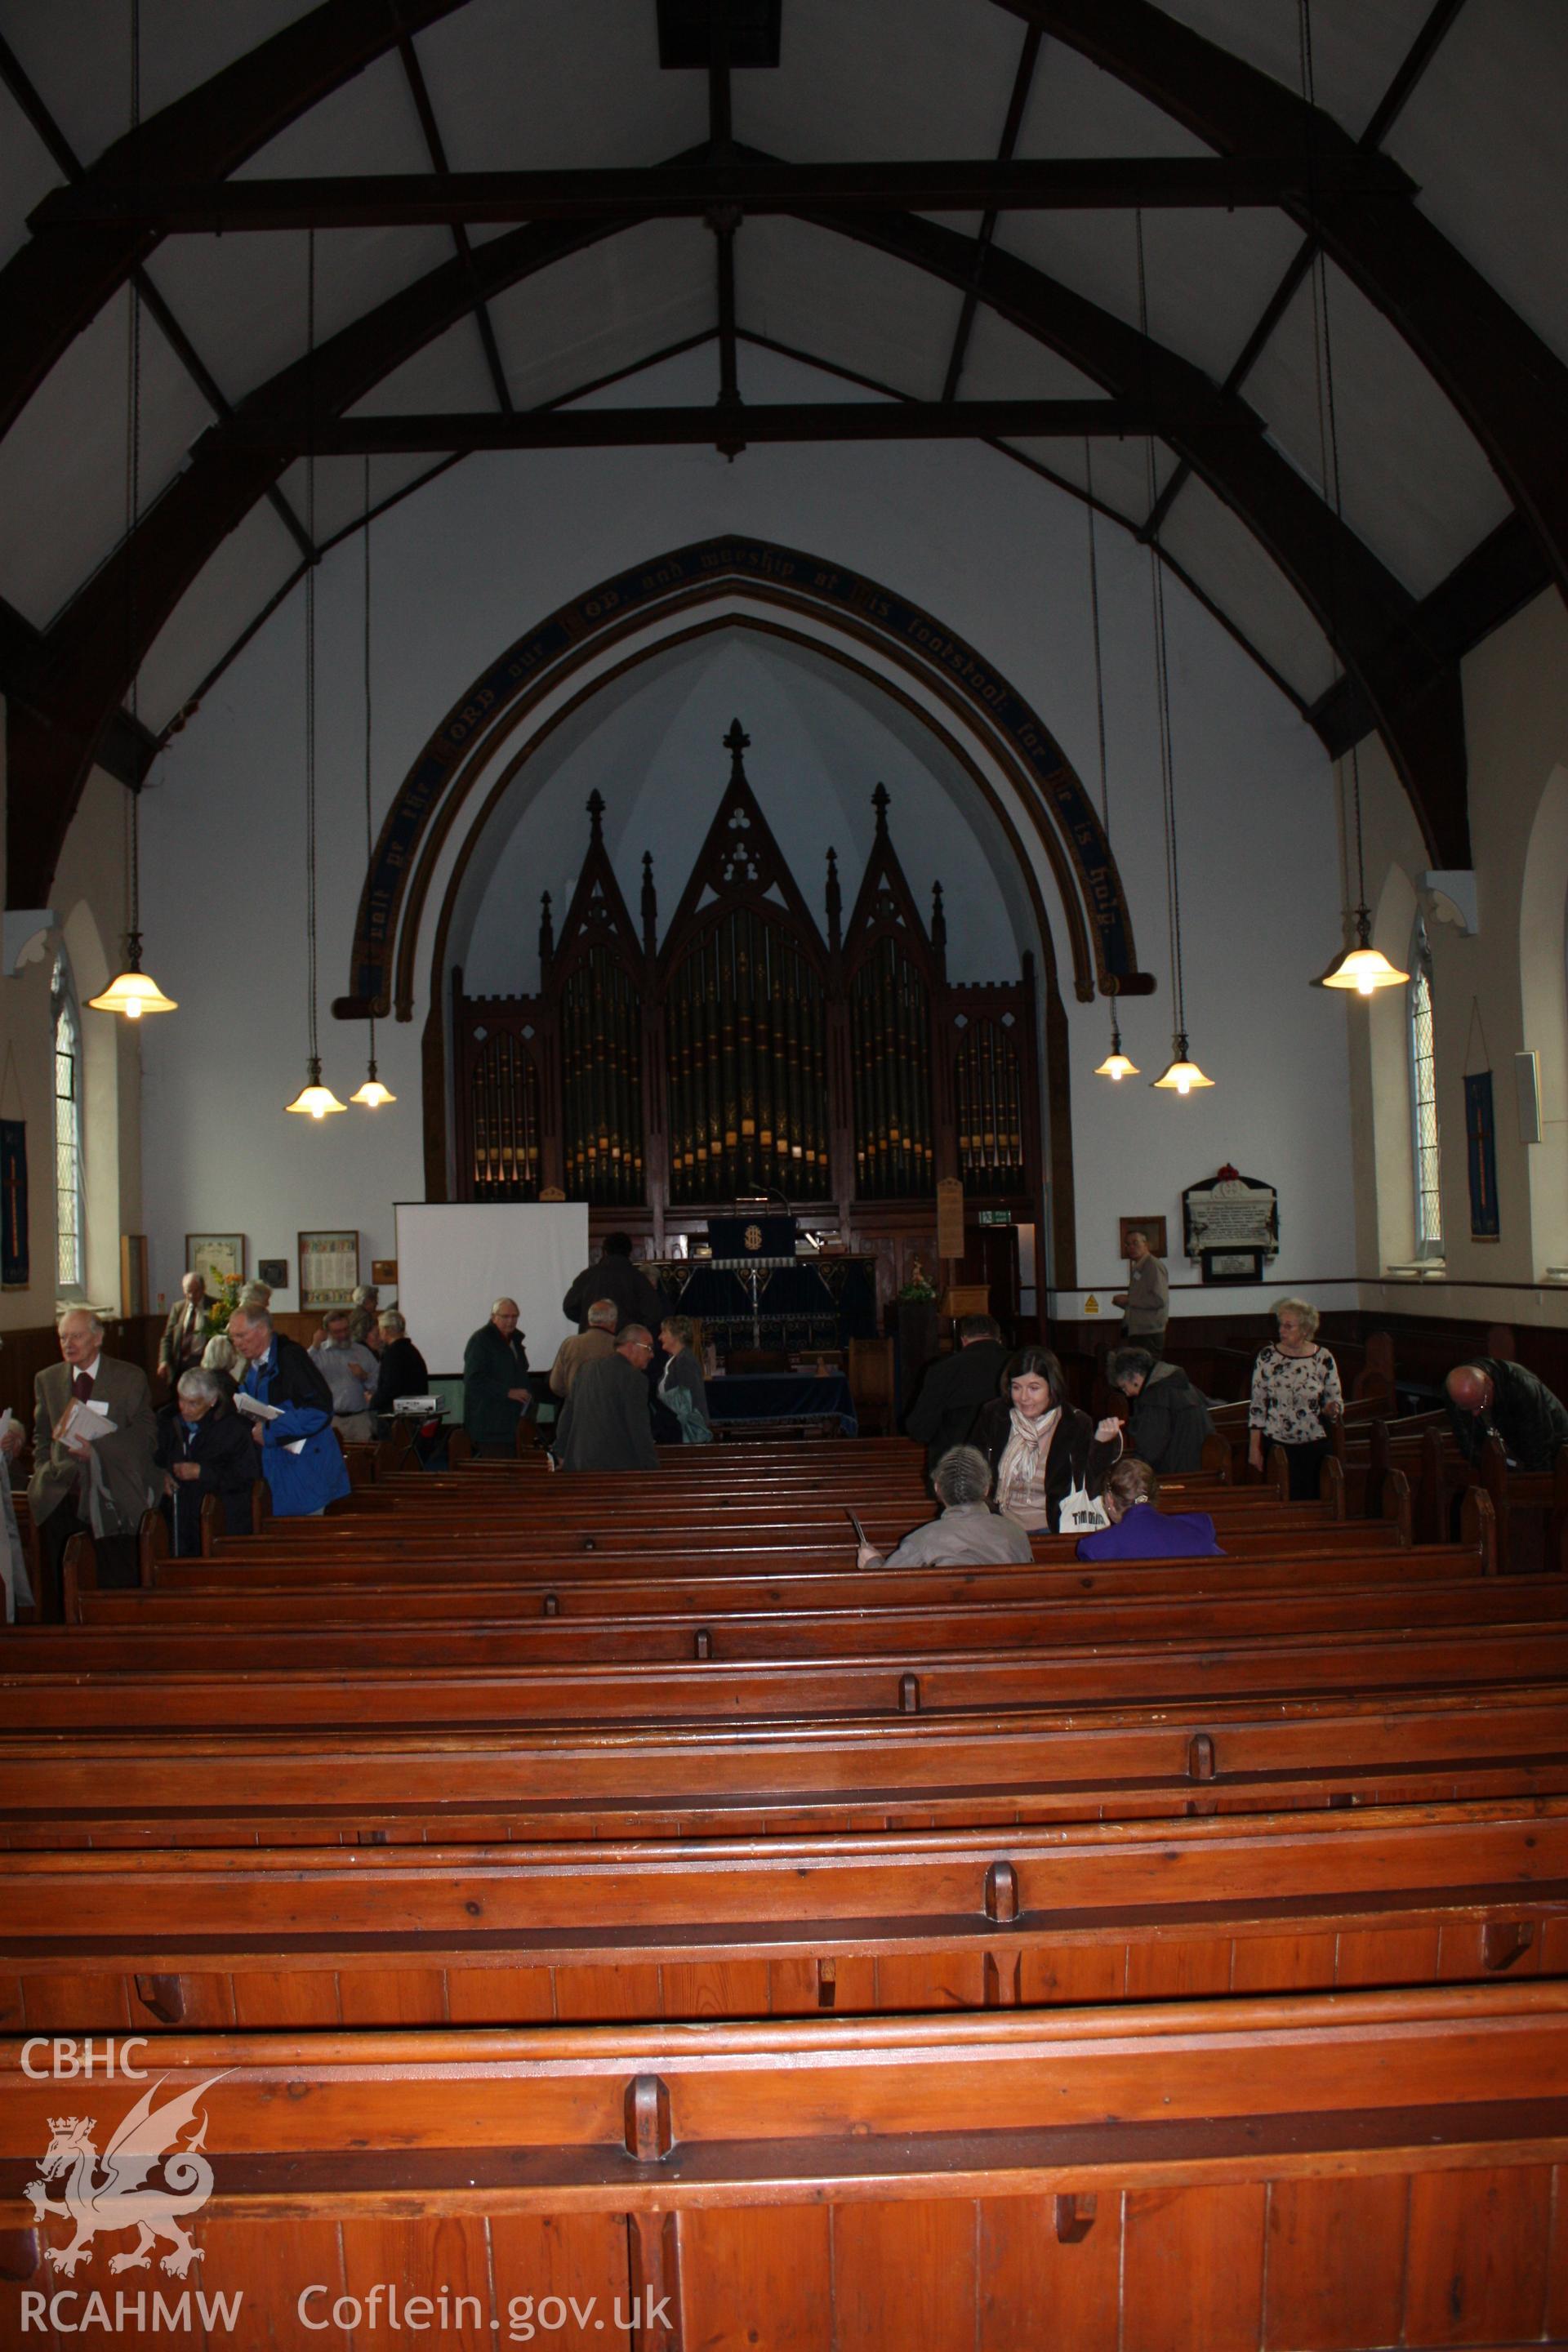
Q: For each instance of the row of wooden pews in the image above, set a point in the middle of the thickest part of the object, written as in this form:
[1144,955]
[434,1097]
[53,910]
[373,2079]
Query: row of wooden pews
[599,1909]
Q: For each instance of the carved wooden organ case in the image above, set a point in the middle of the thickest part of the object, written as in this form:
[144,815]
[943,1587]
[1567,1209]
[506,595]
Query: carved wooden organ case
[747,1052]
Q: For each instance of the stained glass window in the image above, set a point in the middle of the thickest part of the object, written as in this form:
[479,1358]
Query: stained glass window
[70,1270]
[1425,1156]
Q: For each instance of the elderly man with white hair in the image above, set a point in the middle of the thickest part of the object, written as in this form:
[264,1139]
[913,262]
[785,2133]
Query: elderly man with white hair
[92,1450]
[969,1533]
[606,1423]
[495,1394]
[296,1451]
[187,1330]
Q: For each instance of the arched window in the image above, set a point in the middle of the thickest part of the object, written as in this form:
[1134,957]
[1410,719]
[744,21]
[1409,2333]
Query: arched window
[1425,1165]
[70,1223]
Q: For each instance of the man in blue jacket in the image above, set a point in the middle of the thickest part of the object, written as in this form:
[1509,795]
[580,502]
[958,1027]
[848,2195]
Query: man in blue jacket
[297,1452]
[1139,1530]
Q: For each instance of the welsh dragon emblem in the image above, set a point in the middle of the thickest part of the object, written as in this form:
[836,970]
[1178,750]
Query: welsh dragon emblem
[122,2199]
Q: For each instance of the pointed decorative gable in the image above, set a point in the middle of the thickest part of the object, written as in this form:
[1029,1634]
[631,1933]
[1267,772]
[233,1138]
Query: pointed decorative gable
[739,864]
[884,905]
[599,916]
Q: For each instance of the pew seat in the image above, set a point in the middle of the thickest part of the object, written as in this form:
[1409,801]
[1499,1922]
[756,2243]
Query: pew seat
[1383,2159]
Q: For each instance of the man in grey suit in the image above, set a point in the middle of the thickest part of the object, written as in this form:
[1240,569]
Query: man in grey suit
[99,1487]
[187,1332]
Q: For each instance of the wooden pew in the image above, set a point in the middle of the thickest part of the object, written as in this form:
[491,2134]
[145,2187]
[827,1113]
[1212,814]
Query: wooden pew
[257,1597]
[150,1634]
[1153,1760]
[1291,2161]
[502,1935]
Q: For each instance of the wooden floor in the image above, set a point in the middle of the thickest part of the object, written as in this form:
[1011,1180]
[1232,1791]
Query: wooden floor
[597,1915]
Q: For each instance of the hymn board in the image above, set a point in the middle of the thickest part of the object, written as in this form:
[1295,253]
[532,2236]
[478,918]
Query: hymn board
[747,1053]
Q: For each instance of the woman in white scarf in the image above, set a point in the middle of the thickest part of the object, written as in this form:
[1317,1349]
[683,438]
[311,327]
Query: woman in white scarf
[1040,1446]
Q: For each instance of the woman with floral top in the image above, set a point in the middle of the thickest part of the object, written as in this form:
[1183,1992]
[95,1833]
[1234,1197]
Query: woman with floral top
[1296,1394]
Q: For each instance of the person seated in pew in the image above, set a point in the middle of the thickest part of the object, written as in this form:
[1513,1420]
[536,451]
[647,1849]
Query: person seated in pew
[202,1447]
[606,1423]
[955,1387]
[219,1358]
[298,1453]
[1490,1399]
[495,1394]
[680,1400]
[1170,1421]
[1041,1448]
[969,1532]
[1139,1530]
[589,1347]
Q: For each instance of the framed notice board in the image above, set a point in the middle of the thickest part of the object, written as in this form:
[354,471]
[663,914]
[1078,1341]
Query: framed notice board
[329,1268]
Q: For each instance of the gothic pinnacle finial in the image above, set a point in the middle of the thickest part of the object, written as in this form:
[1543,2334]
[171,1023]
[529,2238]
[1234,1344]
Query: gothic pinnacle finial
[650,902]
[546,930]
[736,742]
[879,803]
[596,810]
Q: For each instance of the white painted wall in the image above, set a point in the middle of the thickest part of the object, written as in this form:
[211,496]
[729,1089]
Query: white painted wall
[1496,990]
[88,905]
[466,565]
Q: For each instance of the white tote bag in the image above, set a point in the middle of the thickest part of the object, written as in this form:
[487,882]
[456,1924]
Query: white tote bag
[1081,1513]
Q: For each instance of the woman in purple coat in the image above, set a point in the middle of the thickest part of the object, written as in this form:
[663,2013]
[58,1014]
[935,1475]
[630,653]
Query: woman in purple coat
[1139,1530]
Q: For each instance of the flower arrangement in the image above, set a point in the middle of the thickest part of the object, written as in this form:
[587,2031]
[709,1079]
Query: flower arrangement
[223,1301]
[918,1290]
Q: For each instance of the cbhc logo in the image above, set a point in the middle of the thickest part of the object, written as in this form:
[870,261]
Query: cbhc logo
[71,2062]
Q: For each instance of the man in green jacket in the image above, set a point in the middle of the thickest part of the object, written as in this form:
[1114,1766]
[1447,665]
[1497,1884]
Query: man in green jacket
[495,1382]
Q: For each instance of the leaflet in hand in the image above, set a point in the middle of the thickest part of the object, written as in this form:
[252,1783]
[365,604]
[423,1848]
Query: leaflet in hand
[255,1408]
[84,1425]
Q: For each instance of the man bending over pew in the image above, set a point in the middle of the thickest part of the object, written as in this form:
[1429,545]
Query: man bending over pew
[1487,1399]
[969,1530]
[298,1451]
[1139,1530]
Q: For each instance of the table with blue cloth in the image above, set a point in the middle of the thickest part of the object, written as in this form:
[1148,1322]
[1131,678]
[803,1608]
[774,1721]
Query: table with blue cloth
[763,1397]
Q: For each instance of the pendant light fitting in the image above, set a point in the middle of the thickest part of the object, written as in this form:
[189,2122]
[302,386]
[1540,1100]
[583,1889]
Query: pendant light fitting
[372,1094]
[133,992]
[1181,1074]
[1116,1065]
[1364,969]
[313,1100]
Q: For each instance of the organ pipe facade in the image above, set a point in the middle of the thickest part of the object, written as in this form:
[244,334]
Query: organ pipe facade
[748,1052]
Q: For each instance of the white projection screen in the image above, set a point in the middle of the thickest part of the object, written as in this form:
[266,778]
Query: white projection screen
[453,1259]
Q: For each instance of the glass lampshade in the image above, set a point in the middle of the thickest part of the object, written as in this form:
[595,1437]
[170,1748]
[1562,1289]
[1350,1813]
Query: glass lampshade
[132,992]
[372,1094]
[314,1100]
[1364,969]
[1181,1075]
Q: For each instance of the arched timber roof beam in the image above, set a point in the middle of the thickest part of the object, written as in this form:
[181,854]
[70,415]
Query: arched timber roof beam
[84,664]
[1369,616]
[88,661]
[1508,384]
[60,280]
